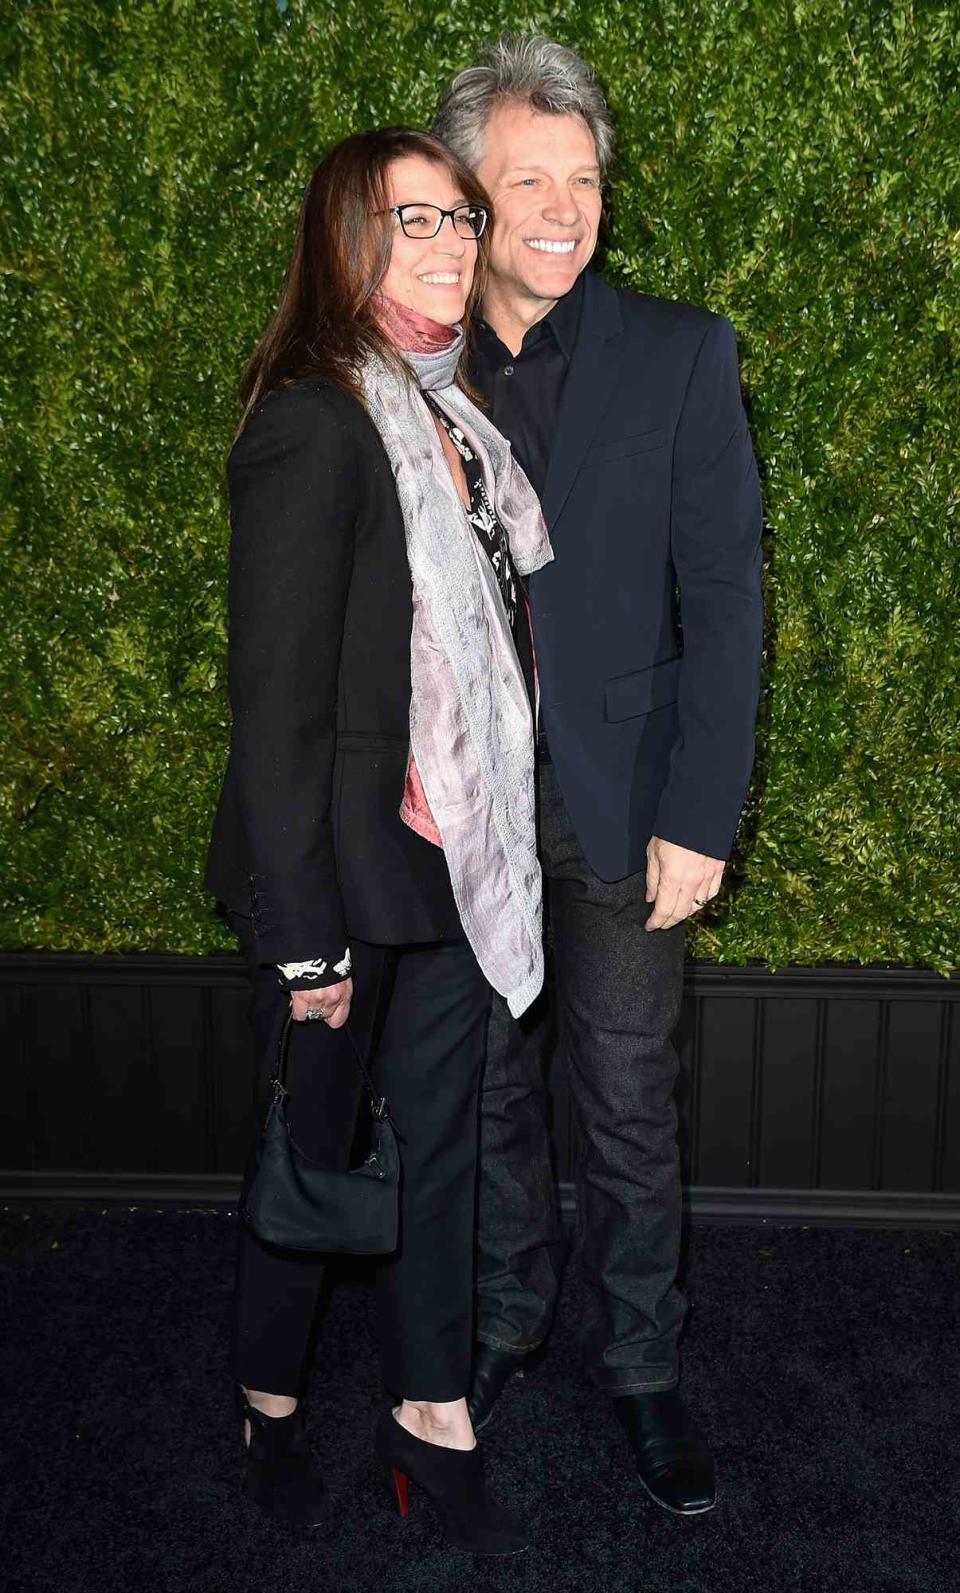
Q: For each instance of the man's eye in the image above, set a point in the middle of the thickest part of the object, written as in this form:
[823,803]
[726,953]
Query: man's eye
[526,182]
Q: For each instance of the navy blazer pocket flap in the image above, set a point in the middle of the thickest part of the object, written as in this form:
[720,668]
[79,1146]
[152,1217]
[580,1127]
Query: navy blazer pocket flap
[629,695]
[620,447]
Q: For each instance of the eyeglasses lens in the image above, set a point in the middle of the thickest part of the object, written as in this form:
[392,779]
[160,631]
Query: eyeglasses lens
[470,223]
[424,221]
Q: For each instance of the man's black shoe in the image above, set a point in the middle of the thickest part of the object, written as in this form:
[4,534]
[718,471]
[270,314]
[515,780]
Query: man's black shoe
[674,1463]
[492,1371]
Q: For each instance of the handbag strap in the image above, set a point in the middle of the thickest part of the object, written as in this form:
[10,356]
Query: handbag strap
[378,1103]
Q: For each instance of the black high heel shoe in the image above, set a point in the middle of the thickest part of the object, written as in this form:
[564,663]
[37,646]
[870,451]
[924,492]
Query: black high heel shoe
[453,1479]
[280,1475]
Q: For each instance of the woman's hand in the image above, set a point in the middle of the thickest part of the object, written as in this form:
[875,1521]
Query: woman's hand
[333,1001]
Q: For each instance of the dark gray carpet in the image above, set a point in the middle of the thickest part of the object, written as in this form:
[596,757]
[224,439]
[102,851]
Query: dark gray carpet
[822,1363]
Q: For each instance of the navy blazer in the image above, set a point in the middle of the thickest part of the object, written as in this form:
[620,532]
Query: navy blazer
[648,624]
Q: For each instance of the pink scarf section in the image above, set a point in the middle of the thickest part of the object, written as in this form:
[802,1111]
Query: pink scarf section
[410,331]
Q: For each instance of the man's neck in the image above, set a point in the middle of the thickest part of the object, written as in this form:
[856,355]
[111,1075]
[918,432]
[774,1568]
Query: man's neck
[511,314]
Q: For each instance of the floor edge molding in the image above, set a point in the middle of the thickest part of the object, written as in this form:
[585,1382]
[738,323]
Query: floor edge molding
[703,1203]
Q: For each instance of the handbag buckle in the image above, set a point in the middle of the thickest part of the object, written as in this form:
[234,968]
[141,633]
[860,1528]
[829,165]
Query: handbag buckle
[380,1108]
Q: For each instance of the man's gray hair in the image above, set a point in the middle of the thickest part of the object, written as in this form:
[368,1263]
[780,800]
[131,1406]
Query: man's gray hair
[525,68]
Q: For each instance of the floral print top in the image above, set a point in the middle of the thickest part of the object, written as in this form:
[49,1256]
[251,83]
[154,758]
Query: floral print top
[493,539]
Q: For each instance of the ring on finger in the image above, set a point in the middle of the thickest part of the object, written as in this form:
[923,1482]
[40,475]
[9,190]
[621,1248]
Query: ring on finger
[315,1015]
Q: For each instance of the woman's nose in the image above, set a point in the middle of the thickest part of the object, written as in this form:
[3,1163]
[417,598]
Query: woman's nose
[450,241]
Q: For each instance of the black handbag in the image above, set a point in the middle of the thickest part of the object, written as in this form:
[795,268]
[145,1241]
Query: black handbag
[290,1201]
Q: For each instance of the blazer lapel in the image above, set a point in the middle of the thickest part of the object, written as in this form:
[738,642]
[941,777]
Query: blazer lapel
[594,368]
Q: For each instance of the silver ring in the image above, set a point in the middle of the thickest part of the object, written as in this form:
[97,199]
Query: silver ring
[314,1014]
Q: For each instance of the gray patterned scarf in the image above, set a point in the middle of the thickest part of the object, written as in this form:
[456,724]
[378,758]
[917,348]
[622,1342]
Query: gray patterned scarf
[471,730]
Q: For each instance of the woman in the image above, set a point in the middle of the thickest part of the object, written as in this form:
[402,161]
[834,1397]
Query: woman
[374,841]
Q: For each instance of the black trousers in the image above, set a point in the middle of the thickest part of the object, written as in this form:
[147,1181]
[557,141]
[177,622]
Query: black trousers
[617,1001]
[420,1013]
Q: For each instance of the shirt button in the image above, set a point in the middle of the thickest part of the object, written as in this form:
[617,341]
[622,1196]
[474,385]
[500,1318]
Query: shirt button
[508,370]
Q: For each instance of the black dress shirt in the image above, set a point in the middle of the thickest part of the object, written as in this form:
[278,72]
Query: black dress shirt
[523,390]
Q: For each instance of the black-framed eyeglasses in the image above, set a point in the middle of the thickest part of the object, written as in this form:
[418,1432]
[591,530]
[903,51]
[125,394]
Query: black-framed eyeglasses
[425,221]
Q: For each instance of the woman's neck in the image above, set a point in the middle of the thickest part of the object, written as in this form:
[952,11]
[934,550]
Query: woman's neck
[409,330]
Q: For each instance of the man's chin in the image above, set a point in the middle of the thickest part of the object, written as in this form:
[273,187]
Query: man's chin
[552,279]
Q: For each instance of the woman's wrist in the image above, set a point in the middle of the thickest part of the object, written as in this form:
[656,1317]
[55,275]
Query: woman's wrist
[315,973]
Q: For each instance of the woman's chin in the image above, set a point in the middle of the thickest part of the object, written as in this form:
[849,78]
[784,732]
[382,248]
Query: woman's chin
[447,308]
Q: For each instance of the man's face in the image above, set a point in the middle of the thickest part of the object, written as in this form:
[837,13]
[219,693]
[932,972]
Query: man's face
[542,174]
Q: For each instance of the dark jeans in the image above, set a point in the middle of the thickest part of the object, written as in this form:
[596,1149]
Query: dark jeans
[420,1012]
[618,993]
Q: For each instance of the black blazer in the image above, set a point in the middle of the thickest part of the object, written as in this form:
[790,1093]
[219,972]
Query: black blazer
[648,696]
[307,836]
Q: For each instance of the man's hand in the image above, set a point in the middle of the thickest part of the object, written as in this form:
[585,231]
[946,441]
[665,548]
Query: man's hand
[333,1001]
[680,880]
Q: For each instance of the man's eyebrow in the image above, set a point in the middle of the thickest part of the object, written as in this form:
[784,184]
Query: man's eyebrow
[587,166]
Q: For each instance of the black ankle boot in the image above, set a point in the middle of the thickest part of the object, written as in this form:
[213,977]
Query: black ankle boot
[453,1479]
[280,1474]
[493,1369]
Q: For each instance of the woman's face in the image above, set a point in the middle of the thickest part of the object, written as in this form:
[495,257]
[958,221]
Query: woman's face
[431,275]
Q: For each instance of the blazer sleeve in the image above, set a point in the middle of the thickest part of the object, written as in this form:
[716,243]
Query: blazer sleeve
[715,544]
[294,487]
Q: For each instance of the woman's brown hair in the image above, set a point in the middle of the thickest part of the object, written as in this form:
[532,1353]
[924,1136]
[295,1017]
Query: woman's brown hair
[324,324]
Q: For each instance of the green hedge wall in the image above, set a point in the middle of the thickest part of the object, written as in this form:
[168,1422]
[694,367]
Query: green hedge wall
[792,163]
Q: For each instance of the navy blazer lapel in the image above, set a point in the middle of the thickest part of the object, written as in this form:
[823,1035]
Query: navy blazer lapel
[593,370]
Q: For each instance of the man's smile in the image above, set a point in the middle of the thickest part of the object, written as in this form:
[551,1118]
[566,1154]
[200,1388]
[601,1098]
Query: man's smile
[552,245]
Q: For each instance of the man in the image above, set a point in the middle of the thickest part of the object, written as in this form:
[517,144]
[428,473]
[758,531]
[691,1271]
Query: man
[625,412]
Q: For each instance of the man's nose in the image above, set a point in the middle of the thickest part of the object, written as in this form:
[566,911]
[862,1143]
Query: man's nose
[560,207]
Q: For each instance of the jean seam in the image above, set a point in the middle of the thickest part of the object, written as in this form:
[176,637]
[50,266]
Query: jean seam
[501,1344]
[658,1386]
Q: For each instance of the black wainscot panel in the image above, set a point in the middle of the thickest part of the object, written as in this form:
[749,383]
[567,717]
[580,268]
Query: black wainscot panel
[810,1094]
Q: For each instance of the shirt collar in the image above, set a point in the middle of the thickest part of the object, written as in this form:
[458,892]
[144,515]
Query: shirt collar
[564,318]
[562,321]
